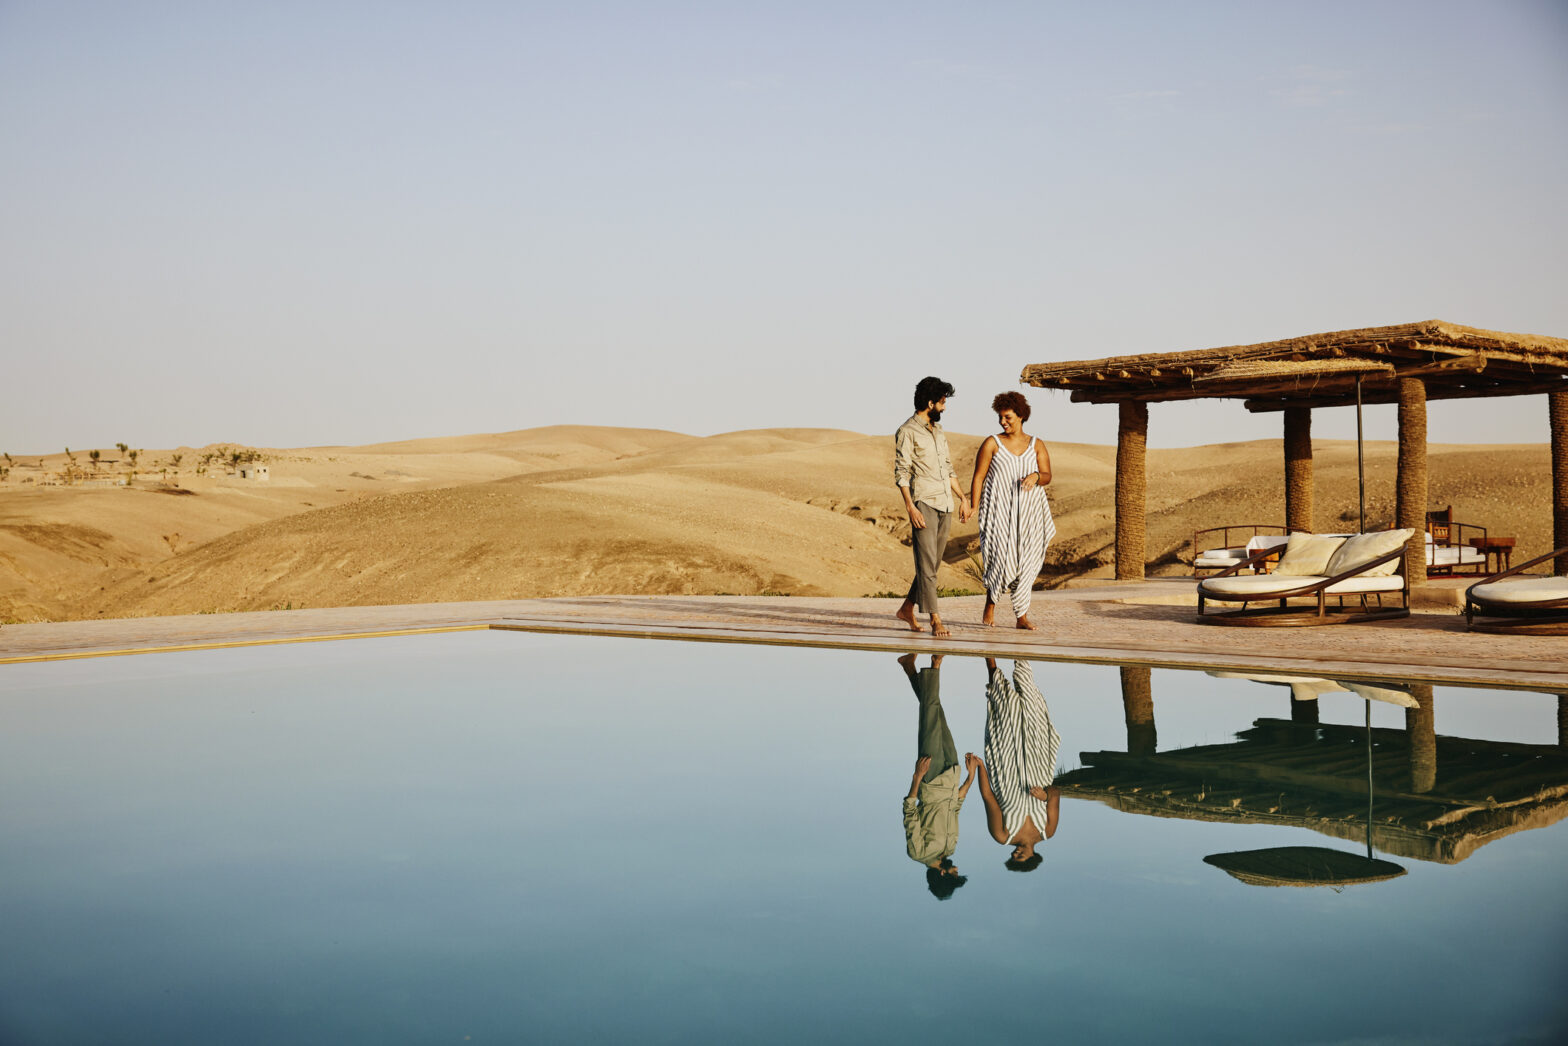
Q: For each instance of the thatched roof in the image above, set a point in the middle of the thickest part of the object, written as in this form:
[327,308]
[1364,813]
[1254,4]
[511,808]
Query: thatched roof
[1320,370]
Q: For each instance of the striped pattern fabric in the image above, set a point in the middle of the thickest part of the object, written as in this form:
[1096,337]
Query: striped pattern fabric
[1015,527]
[1020,746]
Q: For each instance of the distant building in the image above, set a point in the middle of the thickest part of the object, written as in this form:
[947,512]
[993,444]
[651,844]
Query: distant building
[254,471]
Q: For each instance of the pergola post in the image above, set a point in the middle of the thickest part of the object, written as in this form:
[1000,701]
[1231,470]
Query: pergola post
[1132,437]
[1421,731]
[1410,487]
[1298,468]
[1138,710]
[1557,406]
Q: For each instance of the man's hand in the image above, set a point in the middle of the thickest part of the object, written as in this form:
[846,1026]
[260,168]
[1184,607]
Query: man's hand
[973,763]
[916,520]
[922,765]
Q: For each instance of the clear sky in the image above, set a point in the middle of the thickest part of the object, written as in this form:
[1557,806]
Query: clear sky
[293,223]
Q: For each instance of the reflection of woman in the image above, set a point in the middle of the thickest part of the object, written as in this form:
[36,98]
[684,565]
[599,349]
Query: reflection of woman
[1021,804]
[935,796]
[1011,471]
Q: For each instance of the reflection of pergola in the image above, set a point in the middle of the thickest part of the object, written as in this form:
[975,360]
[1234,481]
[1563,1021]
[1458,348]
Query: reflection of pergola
[1407,364]
[1438,798]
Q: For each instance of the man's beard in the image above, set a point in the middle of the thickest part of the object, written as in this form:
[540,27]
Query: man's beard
[935,415]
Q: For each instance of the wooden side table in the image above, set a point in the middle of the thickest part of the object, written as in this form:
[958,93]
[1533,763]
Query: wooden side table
[1502,548]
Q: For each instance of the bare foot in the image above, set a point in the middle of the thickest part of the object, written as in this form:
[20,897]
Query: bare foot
[1023,623]
[937,628]
[908,661]
[988,618]
[906,614]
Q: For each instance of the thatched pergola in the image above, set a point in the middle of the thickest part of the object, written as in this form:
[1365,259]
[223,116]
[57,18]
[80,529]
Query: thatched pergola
[1407,364]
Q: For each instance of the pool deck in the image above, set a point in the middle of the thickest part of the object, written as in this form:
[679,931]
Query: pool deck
[1148,623]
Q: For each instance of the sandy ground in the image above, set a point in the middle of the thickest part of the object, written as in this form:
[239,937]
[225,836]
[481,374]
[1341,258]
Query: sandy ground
[572,511]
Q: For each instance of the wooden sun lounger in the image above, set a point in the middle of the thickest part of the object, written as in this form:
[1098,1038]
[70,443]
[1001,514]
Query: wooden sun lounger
[1228,587]
[1534,605]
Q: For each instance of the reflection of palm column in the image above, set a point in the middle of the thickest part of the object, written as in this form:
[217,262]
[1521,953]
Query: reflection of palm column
[1138,708]
[1421,729]
[1303,711]
[1562,720]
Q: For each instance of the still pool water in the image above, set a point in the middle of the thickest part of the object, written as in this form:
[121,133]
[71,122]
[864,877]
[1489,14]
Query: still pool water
[507,838]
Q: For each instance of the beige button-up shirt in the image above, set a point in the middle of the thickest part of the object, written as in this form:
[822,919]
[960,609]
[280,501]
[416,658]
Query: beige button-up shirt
[921,463]
[931,825]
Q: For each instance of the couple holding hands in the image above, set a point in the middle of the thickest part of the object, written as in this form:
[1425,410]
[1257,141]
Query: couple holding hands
[1007,493]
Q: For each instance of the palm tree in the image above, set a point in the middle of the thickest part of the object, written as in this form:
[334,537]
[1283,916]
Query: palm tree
[123,447]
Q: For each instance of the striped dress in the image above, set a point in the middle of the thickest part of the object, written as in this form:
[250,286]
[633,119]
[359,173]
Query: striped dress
[1015,527]
[1020,746]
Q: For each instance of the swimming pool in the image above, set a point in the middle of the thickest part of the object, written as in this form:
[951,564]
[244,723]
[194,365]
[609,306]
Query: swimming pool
[510,837]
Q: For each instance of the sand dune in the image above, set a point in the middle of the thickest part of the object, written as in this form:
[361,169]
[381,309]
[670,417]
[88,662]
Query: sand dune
[571,510]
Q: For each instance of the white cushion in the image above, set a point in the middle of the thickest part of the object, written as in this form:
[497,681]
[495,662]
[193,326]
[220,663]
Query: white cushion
[1367,583]
[1219,557]
[1264,586]
[1453,555]
[1253,586]
[1363,548]
[1307,554]
[1263,541]
[1523,590]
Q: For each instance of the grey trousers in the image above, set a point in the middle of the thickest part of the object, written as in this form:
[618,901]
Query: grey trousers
[934,739]
[928,547]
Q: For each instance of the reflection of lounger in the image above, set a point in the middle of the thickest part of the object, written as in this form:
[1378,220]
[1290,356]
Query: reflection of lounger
[1363,567]
[1519,604]
[1309,688]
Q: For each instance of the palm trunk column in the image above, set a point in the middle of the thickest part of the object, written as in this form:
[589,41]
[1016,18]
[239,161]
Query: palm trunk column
[1410,491]
[1138,710]
[1132,437]
[1421,731]
[1557,405]
[1298,468]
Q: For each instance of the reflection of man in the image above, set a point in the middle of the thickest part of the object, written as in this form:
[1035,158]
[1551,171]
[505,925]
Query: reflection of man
[1021,804]
[935,796]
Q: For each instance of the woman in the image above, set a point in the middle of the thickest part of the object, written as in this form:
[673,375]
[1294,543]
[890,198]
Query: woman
[1022,805]
[1011,471]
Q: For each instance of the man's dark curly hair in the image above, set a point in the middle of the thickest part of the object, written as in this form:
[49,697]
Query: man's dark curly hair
[931,390]
[1013,401]
[940,885]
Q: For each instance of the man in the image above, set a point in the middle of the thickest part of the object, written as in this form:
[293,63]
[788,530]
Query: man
[935,796]
[923,470]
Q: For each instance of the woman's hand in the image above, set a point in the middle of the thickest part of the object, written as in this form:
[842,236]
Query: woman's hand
[1030,481]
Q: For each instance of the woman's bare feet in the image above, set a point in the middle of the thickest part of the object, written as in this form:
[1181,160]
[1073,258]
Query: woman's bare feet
[906,614]
[988,618]
[1023,623]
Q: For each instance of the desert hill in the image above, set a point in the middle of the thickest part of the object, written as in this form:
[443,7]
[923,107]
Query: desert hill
[570,510]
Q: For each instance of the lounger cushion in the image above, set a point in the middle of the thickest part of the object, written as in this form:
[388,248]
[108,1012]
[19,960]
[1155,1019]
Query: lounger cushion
[1523,590]
[1307,554]
[1262,586]
[1363,548]
[1220,557]
[1453,556]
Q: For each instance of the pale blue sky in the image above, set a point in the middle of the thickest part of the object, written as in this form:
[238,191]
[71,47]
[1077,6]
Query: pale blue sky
[330,222]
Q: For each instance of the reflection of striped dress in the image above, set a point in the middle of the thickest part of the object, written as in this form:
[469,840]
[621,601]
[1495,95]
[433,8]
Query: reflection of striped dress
[1015,526]
[1020,746]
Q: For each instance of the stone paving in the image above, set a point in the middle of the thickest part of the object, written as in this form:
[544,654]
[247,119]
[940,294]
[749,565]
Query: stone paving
[1143,623]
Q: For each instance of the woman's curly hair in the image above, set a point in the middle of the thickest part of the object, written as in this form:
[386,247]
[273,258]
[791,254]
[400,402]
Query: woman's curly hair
[1013,401]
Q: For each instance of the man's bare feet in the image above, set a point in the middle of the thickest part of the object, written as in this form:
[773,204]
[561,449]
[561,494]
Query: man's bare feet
[1023,622]
[906,614]
[937,628]
[908,661]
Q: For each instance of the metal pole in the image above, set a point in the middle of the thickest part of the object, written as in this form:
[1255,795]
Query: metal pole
[1361,471]
[1369,780]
